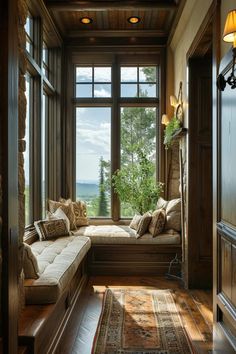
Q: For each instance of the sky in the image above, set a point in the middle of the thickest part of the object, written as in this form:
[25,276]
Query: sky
[93,141]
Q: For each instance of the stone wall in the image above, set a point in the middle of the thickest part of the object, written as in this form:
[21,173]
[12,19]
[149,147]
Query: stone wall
[22,16]
[173,172]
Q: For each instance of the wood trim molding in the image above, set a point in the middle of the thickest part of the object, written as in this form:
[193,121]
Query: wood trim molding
[110,5]
[115,33]
[207,20]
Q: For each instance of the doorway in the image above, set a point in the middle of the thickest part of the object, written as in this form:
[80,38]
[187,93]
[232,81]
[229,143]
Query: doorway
[199,167]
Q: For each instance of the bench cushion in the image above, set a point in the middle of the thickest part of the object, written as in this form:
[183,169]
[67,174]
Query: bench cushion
[122,234]
[58,261]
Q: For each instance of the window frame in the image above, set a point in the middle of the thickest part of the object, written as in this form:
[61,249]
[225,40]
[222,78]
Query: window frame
[43,82]
[116,102]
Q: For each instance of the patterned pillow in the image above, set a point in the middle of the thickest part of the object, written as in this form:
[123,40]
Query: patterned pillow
[157,223]
[144,223]
[66,208]
[80,211]
[135,222]
[59,214]
[48,229]
[30,263]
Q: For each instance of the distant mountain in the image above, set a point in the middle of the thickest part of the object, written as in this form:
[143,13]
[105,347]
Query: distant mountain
[86,189]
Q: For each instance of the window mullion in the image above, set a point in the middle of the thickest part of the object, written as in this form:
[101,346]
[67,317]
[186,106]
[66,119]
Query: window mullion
[115,136]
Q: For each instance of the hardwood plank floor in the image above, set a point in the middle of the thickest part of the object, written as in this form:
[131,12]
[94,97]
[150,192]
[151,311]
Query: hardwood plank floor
[195,308]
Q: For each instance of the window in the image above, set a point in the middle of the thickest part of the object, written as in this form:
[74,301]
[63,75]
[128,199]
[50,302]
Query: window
[110,130]
[138,131]
[27,153]
[93,81]
[29,29]
[42,109]
[43,152]
[138,81]
[45,60]
[93,154]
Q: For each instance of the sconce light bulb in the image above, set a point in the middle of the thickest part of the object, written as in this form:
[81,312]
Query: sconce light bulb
[173,101]
[165,119]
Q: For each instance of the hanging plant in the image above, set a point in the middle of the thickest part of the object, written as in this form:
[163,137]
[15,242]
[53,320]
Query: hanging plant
[170,130]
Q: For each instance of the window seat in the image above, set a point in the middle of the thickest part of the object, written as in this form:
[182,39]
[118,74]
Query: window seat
[51,299]
[115,250]
[123,234]
[58,261]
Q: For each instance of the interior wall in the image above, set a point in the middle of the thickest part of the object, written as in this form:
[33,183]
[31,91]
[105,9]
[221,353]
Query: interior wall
[188,26]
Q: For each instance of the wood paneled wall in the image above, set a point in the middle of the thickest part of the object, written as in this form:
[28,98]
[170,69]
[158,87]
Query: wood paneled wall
[225,211]
[9,172]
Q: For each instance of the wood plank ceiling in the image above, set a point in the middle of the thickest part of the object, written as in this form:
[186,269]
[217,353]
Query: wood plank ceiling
[109,19]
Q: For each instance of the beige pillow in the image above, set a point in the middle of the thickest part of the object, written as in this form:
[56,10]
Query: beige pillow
[67,209]
[48,229]
[144,223]
[80,212]
[135,222]
[65,201]
[161,203]
[173,213]
[157,223]
[30,263]
[59,214]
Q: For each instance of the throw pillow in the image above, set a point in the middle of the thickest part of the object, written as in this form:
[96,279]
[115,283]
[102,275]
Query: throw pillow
[173,213]
[59,214]
[161,203]
[65,201]
[48,229]
[30,263]
[143,224]
[157,223]
[67,209]
[135,222]
[80,211]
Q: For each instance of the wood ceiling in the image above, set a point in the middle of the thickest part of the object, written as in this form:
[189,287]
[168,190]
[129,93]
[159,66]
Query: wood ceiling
[158,20]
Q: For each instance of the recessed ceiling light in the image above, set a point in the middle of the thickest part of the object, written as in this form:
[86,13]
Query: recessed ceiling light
[86,20]
[134,19]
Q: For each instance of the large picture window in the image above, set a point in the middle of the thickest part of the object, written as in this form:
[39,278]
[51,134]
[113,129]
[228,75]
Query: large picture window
[93,154]
[138,133]
[115,122]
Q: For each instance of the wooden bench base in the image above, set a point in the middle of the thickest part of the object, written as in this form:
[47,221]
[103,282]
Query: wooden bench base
[41,326]
[132,259]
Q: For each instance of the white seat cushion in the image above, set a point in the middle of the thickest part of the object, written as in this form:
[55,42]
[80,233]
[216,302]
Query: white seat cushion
[120,234]
[58,261]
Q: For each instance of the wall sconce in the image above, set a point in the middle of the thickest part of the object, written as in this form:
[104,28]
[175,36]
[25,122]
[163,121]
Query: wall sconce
[177,103]
[165,119]
[229,36]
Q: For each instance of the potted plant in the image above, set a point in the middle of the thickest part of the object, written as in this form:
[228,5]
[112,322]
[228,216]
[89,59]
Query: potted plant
[136,185]
[171,129]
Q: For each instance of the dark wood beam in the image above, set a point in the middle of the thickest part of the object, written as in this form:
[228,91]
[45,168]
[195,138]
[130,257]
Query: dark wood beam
[110,5]
[93,42]
[118,33]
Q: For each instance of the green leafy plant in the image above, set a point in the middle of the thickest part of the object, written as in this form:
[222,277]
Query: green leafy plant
[135,184]
[170,130]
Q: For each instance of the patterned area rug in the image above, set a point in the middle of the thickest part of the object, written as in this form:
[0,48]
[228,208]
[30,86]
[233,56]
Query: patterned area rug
[140,322]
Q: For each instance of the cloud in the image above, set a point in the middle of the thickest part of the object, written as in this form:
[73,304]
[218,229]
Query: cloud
[101,92]
[94,141]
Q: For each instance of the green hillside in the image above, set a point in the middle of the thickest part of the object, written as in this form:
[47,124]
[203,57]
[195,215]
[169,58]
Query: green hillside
[86,190]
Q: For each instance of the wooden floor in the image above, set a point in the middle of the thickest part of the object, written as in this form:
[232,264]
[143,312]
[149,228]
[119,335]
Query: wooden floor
[195,308]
